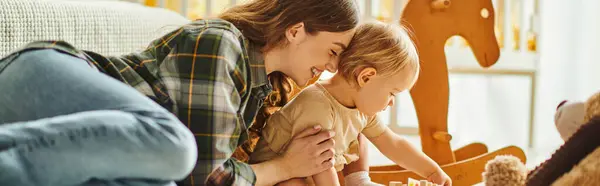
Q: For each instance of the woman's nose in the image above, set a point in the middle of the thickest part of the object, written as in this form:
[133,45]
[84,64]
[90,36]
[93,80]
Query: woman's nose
[331,66]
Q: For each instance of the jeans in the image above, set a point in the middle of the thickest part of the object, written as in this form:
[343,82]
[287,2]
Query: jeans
[64,123]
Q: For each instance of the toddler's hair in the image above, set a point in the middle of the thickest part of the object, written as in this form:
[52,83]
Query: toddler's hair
[386,47]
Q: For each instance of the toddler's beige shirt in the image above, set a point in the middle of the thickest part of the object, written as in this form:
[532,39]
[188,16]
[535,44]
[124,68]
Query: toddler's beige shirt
[315,106]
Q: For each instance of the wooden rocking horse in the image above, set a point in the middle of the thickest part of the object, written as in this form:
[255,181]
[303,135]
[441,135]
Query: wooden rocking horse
[432,23]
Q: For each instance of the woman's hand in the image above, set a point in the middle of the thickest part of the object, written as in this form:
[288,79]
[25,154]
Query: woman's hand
[310,152]
[440,177]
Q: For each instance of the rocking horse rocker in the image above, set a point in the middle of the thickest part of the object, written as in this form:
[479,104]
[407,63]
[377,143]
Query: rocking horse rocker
[432,22]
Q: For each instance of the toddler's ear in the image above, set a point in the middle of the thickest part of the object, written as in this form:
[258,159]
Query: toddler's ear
[568,118]
[365,75]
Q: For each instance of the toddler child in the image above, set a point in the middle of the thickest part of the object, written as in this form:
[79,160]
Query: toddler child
[380,62]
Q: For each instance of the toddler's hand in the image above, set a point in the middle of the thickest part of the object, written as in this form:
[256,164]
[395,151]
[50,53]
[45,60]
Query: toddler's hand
[440,177]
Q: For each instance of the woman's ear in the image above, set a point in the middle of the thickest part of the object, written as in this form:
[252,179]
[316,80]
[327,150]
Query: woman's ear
[296,33]
[366,75]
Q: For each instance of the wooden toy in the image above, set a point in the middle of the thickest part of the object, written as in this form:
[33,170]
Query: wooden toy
[396,183]
[412,182]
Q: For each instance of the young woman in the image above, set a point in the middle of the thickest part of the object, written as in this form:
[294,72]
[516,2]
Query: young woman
[74,117]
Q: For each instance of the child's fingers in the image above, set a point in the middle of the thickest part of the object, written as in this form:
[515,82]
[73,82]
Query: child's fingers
[448,182]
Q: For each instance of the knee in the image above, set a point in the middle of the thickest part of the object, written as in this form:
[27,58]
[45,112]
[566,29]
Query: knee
[182,158]
[48,59]
[178,151]
[185,155]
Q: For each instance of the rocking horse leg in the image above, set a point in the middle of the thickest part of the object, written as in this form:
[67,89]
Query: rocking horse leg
[430,98]
[470,150]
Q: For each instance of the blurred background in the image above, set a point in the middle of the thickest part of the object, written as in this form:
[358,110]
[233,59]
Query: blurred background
[547,55]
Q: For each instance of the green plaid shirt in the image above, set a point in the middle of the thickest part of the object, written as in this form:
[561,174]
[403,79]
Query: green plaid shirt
[208,75]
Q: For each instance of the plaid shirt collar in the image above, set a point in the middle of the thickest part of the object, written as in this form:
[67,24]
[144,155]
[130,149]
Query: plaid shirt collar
[257,67]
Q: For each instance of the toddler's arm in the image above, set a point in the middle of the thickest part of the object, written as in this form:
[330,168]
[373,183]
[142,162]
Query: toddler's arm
[326,178]
[405,154]
[357,172]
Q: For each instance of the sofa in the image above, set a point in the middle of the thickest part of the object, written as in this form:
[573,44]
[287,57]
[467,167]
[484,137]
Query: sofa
[108,27]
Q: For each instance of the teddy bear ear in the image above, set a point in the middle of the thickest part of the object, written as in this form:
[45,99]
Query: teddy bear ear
[561,104]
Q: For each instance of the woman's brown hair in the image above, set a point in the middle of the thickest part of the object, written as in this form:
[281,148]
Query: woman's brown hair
[264,23]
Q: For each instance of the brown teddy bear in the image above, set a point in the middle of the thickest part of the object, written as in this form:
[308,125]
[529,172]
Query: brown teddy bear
[576,162]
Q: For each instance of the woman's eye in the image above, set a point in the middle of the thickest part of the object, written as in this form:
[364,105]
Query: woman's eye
[334,53]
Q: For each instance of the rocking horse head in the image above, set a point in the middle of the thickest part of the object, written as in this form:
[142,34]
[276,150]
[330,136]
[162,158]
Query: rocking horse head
[434,21]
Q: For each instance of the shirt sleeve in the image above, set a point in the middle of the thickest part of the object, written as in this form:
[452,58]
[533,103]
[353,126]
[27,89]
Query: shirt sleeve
[374,128]
[213,78]
[311,108]
[207,76]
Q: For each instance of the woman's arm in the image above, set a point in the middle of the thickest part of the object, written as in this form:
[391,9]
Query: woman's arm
[308,153]
[276,168]
[405,154]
